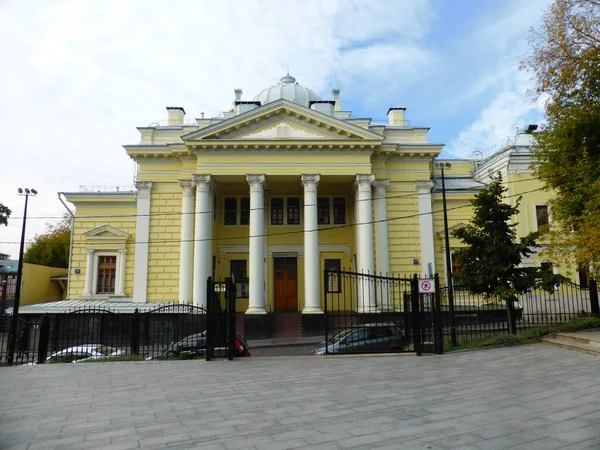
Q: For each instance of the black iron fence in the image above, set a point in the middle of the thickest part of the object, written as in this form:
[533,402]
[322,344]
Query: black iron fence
[377,314]
[96,333]
[478,316]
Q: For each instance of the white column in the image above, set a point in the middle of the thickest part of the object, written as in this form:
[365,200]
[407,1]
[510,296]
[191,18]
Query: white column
[89,273]
[364,230]
[202,239]
[426,227]
[257,249]
[312,297]
[382,256]
[121,277]
[142,236]
[186,256]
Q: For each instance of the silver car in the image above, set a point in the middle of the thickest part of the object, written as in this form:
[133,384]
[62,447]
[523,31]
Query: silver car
[85,353]
[367,338]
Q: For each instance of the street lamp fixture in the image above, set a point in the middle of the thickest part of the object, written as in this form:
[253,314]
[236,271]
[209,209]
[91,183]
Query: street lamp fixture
[447,166]
[13,324]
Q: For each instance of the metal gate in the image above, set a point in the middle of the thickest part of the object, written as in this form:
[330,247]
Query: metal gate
[376,314]
[220,325]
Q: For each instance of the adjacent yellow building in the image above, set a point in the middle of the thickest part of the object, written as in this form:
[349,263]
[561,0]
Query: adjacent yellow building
[275,191]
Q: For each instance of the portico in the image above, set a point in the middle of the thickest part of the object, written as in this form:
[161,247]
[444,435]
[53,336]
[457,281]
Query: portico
[273,192]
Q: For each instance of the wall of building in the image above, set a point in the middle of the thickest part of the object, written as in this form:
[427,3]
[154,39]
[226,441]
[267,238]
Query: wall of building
[37,286]
[90,216]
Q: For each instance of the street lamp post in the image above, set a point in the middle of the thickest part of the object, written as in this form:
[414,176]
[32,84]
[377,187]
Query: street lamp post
[13,324]
[453,339]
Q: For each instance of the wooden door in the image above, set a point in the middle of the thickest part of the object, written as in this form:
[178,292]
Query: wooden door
[286,289]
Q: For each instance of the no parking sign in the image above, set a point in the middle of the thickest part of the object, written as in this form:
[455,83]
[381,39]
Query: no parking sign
[426,287]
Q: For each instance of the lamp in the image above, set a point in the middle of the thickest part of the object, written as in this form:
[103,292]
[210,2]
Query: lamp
[13,324]
[448,166]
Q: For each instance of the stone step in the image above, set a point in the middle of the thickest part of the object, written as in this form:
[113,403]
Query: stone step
[573,345]
[584,338]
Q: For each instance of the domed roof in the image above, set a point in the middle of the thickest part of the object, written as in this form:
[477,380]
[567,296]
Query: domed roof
[289,89]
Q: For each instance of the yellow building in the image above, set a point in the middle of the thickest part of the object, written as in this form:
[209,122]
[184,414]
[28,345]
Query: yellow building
[275,191]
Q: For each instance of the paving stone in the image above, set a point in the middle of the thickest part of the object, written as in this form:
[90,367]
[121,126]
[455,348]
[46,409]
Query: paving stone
[455,401]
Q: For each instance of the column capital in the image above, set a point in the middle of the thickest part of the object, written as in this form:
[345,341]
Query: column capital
[143,189]
[381,187]
[364,181]
[203,182]
[90,251]
[424,186]
[187,186]
[310,182]
[123,251]
[256,182]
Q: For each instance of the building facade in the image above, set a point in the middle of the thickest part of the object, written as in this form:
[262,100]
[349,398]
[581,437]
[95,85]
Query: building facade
[274,192]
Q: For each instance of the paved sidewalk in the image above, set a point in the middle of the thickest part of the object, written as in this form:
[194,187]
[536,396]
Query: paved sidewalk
[533,397]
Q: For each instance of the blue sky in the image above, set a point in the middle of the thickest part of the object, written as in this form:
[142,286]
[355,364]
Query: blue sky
[78,77]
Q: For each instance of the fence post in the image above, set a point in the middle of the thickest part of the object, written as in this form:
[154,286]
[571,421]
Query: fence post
[135,333]
[210,319]
[594,297]
[416,315]
[438,333]
[43,341]
[230,313]
[325,281]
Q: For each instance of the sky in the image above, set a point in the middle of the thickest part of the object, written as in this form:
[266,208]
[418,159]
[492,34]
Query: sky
[78,76]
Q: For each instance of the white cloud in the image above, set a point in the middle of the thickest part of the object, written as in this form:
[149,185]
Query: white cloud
[80,76]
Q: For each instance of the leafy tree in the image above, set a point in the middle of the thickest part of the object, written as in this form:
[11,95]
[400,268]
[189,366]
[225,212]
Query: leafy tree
[52,247]
[564,59]
[491,262]
[4,214]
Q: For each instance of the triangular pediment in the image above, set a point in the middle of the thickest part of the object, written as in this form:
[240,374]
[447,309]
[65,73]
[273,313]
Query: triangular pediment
[282,120]
[106,232]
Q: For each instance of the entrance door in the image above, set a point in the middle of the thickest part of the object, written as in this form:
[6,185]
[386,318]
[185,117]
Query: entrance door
[286,283]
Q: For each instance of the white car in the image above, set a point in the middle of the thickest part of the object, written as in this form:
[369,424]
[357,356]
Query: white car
[85,353]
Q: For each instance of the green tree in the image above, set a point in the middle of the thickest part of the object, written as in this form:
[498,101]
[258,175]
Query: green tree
[491,260]
[52,247]
[564,59]
[4,214]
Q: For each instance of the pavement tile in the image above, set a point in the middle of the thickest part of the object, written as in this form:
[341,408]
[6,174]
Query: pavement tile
[455,401]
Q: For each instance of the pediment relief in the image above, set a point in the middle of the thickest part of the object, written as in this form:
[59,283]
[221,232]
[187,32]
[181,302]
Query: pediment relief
[106,232]
[284,130]
[282,120]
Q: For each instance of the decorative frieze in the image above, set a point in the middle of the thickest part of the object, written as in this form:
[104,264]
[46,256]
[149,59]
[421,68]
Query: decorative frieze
[203,182]
[424,186]
[187,186]
[364,181]
[256,182]
[380,187]
[143,189]
[310,182]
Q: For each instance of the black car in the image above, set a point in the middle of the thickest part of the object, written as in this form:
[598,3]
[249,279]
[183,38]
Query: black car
[194,346]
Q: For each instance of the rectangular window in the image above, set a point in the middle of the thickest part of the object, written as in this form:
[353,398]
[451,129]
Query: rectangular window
[245,211]
[230,211]
[323,210]
[334,284]
[456,267]
[339,210]
[584,278]
[238,271]
[293,211]
[107,270]
[277,211]
[546,267]
[541,215]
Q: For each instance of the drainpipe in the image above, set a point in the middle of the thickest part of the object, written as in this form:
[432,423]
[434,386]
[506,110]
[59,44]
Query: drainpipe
[71,243]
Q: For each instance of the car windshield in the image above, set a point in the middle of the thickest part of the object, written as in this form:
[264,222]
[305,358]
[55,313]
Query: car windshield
[338,337]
